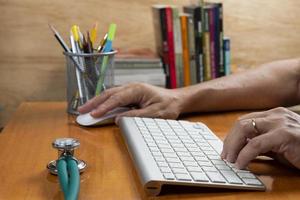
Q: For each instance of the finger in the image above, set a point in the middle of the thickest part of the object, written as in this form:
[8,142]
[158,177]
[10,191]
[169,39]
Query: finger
[254,115]
[123,98]
[258,145]
[94,102]
[238,136]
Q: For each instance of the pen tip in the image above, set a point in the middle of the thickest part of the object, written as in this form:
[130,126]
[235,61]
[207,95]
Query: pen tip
[51,27]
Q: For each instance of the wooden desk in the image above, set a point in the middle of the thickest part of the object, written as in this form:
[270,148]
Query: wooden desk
[26,149]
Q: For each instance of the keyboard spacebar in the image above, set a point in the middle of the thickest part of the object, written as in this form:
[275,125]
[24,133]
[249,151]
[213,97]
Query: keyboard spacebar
[216,144]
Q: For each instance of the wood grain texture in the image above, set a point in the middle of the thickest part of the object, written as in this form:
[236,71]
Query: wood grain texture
[31,61]
[26,149]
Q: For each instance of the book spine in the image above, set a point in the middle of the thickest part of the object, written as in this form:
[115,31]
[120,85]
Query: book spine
[198,44]
[213,41]
[206,45]
[185,50]
[226,46]
[178,47]
[165,46]
[170,43]
[191,38]
[221,54]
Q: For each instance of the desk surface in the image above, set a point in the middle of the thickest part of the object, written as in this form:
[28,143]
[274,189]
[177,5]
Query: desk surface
[26,149]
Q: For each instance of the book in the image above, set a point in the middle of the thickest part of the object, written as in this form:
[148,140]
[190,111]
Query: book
[213,40]
[170,43]
[196,13]
[226,47]
[159,23]
[163,21]
[185,49]
[206,45]
[221,71]
[153,79]
[191,45]
[178,47]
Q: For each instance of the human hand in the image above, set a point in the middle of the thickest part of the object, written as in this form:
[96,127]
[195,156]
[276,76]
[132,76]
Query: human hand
[150,101]
[274,131]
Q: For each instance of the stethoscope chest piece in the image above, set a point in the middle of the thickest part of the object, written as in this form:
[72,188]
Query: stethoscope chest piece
[65,147]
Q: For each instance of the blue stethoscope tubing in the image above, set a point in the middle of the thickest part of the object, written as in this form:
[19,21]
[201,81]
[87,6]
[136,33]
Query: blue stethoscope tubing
[69,177]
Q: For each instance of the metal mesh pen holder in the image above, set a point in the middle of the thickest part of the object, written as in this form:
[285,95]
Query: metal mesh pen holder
[87,76]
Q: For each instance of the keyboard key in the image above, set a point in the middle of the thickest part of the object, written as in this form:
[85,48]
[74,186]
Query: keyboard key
[170,155]
[246,175]
[231,177]
[169,176]
[179,149]
[187,158]
[205,163]
[213,157]
[215,177]
[176,165]
[183,154]
[165,170]
[179,171]
[218,162]
[209,152]
[223,167]
[197,153]
[251,181]
[159,158]
[162,164]
[164,145]
[199,177]
[188,163]
[209,169]
[154,149]
[194,169]
[156,153]
[183,177]
[169,150]
[173,160]
[151,144]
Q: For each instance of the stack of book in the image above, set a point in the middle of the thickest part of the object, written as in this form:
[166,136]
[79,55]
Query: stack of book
[191,44]
[140,65]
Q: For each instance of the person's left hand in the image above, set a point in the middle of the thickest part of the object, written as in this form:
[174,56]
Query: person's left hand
[273,131]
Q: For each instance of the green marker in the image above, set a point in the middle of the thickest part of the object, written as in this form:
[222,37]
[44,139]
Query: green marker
[107,48]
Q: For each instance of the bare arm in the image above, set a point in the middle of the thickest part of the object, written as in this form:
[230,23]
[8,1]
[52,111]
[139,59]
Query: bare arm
[270,85]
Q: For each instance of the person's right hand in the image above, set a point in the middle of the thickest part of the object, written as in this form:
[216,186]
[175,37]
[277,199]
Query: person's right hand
[148,100]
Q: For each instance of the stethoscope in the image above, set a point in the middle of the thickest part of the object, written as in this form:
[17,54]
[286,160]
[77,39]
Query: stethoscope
[67,167]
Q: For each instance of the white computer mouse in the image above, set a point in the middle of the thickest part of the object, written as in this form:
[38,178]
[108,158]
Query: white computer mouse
[87,120]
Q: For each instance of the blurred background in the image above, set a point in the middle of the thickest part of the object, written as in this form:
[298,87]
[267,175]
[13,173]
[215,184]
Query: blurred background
[32,67]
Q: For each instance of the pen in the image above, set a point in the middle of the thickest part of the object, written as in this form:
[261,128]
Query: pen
[77,49]
[94,34]
[102,43]
[107,48]
[78,75]
[67,49]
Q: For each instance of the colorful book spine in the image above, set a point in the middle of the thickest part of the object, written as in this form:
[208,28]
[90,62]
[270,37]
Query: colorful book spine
[226,46]
[191,44]
[185,49]
[206,45]
[195,12]
[170,41]
[178,47]
[159,22]
[213,40]
[221,71]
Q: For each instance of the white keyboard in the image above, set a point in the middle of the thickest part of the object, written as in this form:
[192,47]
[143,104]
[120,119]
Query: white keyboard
[181,153]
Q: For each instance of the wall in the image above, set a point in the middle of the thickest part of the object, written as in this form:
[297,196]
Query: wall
[31,61]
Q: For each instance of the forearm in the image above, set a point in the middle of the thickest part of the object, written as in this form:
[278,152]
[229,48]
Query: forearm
[270,85]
